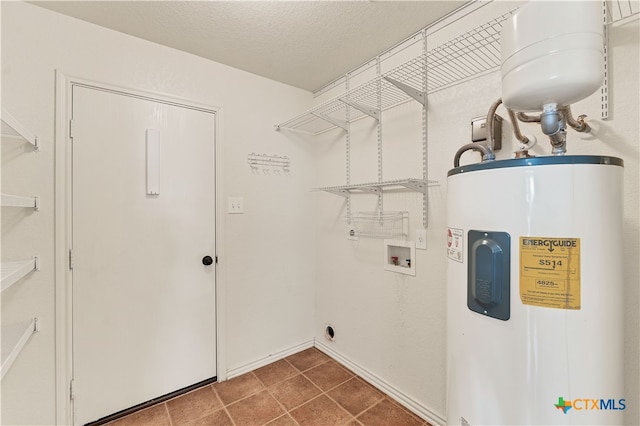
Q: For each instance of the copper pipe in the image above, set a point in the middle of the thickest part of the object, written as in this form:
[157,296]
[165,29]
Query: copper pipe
[490,116]
[578,125]
[528,118]
[487,154]
[516,128]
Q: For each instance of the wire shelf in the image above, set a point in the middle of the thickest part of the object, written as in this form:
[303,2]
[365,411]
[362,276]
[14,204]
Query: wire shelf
[378,225]
[466,57]
[618,10]
[418,185]
[461,59]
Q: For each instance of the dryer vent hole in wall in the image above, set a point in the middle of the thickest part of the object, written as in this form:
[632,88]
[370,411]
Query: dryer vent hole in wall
[330,333]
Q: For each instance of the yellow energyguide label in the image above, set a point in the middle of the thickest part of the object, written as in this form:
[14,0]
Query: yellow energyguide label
[550,272]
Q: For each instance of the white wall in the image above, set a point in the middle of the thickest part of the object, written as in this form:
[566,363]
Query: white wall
[267,255]
[393,326]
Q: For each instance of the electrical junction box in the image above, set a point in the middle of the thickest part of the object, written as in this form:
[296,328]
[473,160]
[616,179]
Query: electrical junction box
[479,130]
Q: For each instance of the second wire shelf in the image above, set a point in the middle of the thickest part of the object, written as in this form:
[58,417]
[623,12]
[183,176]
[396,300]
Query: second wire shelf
[418,185]
[378,225]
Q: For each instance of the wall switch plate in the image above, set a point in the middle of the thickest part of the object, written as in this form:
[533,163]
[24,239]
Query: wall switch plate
[235,205]
[421,239]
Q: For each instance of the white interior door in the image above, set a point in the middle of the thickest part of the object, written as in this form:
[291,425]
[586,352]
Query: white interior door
[143,299]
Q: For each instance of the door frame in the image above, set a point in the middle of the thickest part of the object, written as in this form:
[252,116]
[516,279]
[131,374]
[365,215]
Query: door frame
[63,229]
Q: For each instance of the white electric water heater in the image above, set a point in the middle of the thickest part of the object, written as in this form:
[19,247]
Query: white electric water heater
[534,292]
[534,275]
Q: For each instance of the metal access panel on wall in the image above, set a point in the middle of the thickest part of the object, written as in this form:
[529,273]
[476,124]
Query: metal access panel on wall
[488,280]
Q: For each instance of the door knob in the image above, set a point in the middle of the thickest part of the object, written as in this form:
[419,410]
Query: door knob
[207,260]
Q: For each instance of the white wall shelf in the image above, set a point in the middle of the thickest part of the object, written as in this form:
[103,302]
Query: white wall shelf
[377,225]
[377,188]
[459,60]
[8,200]
[396,87]
[468,56]
[14,338]
[12,128]
[13,272]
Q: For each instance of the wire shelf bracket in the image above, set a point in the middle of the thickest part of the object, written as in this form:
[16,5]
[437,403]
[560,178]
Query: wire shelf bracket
[8,200]
[14,338]
[416,185]
[12,128]
[416,94]
[371,112]
[343,192]
[13,272]
[377,190]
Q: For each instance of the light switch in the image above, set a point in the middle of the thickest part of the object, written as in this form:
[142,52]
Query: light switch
[235,205]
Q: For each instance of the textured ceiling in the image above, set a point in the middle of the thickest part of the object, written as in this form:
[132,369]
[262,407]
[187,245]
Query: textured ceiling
[306,44]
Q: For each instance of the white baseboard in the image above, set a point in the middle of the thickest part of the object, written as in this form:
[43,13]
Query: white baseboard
[408,402]
[238,371]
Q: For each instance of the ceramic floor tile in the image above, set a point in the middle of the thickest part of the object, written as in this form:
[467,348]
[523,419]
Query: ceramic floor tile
[285,420]
[238,388]
[356,395]
[255,410]
[415,416]
[187,408]
[320,411]
[275,372]
[153,416]
[219,418]
[294,391]
[308,358]
[386,413]
[328,375]
[289,392]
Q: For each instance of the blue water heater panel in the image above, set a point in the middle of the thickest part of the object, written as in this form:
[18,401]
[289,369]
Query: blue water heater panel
[488,280]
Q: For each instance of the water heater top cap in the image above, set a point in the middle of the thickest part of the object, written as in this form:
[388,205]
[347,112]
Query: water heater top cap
[552,52]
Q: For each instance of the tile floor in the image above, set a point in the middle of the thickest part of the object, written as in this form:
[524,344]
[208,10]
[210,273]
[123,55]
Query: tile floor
[307,388]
